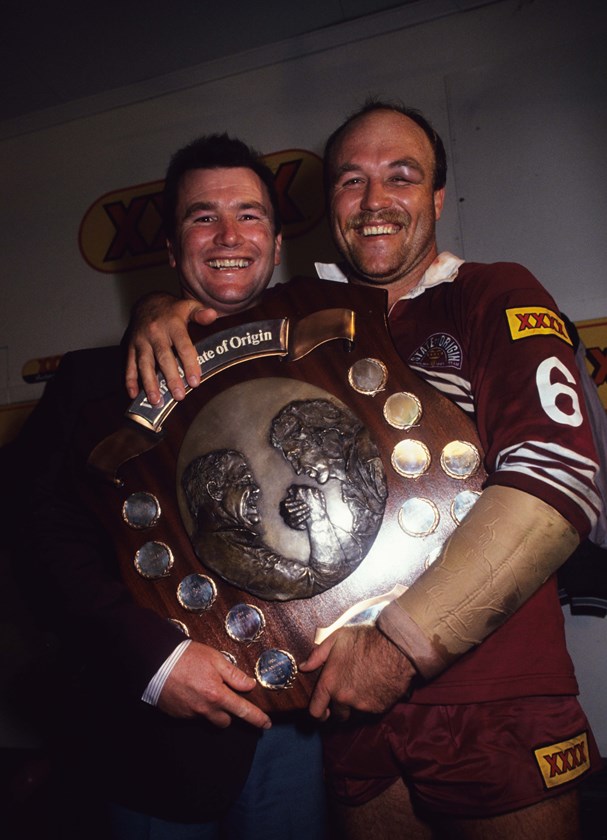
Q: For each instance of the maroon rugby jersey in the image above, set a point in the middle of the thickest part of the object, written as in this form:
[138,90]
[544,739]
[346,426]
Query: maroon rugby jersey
[493,342]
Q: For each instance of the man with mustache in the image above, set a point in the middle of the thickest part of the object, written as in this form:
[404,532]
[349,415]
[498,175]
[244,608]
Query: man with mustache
[480,733]
[181,750]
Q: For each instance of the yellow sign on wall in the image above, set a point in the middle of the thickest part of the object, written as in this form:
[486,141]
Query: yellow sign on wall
[593,334]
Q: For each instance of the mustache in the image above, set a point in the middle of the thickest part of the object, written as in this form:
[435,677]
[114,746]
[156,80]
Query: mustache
[386,217]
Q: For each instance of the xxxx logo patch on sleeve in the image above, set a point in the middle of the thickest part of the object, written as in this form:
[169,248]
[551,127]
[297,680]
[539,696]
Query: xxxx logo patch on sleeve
[527,321]
[563,762]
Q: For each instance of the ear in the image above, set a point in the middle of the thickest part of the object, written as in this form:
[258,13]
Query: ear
[439,198]
[277,246]
[171,250]
[214,491]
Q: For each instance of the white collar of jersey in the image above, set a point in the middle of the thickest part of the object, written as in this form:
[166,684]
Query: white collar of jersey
[443,269]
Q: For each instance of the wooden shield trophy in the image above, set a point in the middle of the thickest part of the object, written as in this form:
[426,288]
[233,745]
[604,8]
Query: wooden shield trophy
[309,479]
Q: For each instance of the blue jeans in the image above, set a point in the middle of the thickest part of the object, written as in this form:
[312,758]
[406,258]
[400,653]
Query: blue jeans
[283,798]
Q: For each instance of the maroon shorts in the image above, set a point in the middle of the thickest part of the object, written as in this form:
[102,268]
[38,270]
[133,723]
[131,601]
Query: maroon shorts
[477,760]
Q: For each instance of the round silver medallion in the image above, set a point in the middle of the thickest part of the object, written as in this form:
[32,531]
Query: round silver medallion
[196,593]
[460,459]
[245,623]
[402,410]
[141,510]
[154,560]
[276,669]
[418,517]
[410,458]
[462,503]
[368,376]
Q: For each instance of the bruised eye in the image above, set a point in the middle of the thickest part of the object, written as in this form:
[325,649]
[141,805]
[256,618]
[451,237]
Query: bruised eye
[408,175]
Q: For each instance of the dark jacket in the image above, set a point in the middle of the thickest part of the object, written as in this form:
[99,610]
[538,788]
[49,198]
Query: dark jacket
[185,770]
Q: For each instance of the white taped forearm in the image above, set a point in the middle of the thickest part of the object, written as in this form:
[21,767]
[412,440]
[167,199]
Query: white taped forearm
[506,547]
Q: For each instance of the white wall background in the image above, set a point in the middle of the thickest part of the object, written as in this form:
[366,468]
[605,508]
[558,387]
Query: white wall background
[518,89]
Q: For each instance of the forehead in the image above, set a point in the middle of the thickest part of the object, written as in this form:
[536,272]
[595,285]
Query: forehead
[225,185]
[382,137]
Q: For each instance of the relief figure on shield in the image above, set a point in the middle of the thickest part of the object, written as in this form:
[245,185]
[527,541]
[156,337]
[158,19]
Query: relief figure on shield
[223,498]
[326,441]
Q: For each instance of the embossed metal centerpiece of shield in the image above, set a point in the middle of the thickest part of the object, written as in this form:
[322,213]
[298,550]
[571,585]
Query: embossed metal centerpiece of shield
[141,510]
[235,410]
[154,560]
[254,494]
[276,669]
[410,458]
[462,503]
[418,517]
[245,623]
[368,376]
[460,459]
[402,410]
[196,593]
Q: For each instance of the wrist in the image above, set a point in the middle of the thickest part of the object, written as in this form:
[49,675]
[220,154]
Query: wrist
[399,628]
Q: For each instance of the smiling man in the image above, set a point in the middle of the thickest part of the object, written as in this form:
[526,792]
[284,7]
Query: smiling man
[476,644]
[174,743]
[221,237]
[222,223]
[478,733]
[384,203]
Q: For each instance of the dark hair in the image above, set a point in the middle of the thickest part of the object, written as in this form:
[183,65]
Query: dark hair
[214,151]
[310,420]
[371,105]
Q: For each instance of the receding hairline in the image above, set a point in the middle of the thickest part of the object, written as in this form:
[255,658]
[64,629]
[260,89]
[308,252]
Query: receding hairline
[376,106]
[352,124]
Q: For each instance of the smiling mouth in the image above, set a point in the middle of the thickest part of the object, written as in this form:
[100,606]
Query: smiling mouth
[379,230]
[229,264]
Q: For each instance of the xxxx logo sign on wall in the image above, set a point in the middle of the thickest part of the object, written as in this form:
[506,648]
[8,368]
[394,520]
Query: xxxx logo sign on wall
[298,177]
[122,230]
[40,370]
[594,336]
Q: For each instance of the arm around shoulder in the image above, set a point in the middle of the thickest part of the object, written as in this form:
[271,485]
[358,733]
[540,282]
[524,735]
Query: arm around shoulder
[158,336]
